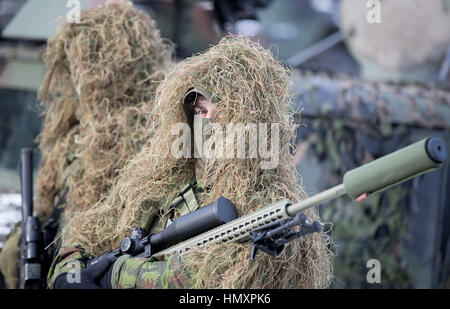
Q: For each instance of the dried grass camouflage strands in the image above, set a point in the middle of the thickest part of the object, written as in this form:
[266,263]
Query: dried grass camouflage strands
[101,75]
[249,85]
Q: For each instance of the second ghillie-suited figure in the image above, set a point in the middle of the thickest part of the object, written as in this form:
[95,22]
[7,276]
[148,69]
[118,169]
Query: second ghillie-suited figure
[235,82]
[101,73]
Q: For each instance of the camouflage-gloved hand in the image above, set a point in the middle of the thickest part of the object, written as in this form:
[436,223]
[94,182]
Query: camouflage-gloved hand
[143,273]
[97,276]
[125,273]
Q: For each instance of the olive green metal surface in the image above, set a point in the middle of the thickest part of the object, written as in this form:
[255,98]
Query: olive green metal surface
[389,170]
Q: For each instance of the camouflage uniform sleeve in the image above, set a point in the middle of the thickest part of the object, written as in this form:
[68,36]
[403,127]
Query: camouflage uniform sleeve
[143,273]
[67,260]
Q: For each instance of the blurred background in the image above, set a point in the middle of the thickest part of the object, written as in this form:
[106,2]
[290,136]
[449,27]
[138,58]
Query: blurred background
[370,77]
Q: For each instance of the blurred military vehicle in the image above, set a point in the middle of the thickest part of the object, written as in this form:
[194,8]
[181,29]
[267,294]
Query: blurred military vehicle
[347,122]
[400,96]
[363,89]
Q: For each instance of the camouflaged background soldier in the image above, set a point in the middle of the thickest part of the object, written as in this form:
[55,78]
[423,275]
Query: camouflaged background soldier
[98,80]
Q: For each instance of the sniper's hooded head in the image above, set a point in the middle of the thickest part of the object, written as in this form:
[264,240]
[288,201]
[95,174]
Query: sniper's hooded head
[250,123]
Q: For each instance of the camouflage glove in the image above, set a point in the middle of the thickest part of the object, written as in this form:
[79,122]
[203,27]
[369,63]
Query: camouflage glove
[97,276]
[143,273]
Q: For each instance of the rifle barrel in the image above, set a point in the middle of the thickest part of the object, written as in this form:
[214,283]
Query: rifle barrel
[317,199]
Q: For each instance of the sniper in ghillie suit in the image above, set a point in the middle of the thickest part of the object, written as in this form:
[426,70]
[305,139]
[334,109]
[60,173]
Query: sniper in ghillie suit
[224,145]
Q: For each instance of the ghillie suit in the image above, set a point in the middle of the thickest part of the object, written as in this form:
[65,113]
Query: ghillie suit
[248,86]
[101,72]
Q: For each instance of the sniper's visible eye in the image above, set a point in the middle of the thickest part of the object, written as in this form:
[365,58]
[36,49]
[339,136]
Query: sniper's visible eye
[204,108]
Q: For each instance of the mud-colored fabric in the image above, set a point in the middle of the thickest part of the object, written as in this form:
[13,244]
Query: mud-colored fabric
[186,202]
[10,257]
